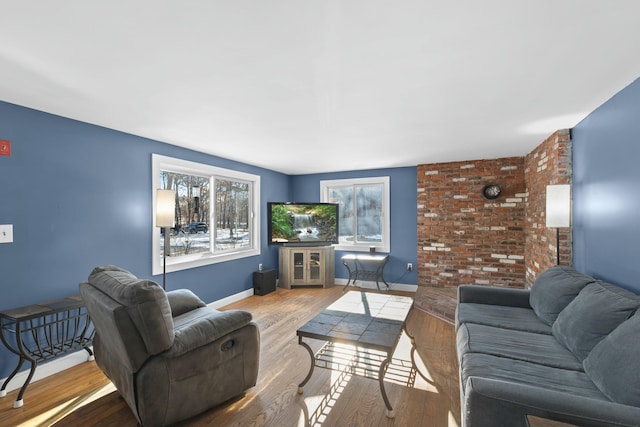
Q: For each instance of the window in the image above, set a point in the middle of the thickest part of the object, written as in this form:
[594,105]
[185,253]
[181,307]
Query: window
[216,215]
[364,211]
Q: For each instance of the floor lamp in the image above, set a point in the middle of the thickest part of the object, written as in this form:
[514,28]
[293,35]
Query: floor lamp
[558,210]
[165,218]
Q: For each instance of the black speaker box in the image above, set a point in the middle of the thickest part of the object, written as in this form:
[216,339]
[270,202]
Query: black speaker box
[264,281]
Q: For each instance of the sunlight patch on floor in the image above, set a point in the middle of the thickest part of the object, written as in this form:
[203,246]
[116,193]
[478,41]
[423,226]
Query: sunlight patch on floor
[52,416]
[343,361]
[403,352]
[452,421]
[317,408]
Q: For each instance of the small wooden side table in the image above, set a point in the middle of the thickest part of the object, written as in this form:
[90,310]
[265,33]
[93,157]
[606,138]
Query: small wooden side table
[43,331]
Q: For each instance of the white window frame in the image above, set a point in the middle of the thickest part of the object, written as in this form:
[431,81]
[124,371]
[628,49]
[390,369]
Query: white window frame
[170,164]
[385,245]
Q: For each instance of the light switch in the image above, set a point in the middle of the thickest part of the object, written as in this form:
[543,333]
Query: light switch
[6,233]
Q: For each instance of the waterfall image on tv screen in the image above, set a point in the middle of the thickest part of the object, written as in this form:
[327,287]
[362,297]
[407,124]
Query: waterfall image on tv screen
[303,222]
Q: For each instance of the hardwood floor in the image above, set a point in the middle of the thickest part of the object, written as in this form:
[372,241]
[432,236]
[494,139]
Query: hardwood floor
[82,396]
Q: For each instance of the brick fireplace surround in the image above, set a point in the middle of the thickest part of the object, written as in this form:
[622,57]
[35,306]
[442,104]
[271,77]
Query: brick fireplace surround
[464,238]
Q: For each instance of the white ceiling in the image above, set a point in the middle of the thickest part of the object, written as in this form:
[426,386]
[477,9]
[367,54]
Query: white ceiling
[307,86]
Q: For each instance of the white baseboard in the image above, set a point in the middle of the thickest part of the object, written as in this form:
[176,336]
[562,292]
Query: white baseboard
[231,299]
[368,284]
[47,368]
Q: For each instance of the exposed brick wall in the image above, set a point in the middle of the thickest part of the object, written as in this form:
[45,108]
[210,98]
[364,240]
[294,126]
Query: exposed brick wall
[549,163]
[465,238]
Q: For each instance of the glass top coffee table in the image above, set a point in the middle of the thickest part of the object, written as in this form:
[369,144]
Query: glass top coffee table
[370,322]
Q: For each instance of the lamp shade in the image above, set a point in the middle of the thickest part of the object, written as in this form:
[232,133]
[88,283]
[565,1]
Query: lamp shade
[558,205]
[165,208]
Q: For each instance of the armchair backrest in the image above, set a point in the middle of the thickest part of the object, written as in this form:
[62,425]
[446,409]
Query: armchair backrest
[132,317]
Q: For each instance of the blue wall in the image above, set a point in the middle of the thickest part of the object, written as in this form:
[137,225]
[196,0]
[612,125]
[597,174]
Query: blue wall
[404,216]
[606,190]
[80,196]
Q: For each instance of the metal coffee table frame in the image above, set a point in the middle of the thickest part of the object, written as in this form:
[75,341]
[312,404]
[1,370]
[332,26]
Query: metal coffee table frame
[365,266]
[370,359]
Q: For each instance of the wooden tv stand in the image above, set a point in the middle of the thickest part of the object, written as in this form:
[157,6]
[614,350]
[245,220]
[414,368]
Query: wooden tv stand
[306,266]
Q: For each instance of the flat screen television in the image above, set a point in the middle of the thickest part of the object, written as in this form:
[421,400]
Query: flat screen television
[302,223]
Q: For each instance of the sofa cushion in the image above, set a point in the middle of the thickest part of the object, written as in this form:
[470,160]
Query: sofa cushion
[204,325]
[145,302]
[597,310]
[554,289]
[501,316]
[614,363]
[530,347]
[576,383]
[183,301]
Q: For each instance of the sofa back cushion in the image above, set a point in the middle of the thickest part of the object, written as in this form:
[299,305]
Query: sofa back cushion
[117,341]
[145,302]
[554,289]
[614,363]
[597,310]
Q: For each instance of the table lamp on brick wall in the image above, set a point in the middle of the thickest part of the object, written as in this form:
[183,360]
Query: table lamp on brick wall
[558,212]
[165,218]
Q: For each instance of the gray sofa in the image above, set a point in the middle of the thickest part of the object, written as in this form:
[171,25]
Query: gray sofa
[168,354]
[568,350]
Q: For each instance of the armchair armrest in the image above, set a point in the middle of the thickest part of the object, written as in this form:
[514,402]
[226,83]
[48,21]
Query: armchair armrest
[182,301]
[203,326]
[493,295]
[488,400]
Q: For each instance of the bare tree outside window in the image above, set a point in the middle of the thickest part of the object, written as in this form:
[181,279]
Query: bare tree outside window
[190,235]
[364,207]
[216,214]
[232,214]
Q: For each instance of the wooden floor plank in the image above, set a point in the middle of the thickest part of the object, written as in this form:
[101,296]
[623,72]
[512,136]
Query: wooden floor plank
[83,396]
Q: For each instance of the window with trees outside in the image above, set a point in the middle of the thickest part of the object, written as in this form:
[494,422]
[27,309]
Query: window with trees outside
[364,211]
[216,214]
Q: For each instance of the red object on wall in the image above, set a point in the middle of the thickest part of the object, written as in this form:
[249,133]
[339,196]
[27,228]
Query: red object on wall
[5,147]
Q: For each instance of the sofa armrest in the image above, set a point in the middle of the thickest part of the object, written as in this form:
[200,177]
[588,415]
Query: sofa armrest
[182,301]
[203,326]
[487,400]
[493,295]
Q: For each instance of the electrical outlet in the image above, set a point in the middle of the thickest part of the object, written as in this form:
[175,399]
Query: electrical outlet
[6,233]
[409,267]
[259,267]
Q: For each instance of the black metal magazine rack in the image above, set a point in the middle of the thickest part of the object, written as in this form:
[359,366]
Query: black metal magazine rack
[43,331]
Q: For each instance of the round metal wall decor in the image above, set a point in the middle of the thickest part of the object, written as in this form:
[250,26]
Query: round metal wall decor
[491,191]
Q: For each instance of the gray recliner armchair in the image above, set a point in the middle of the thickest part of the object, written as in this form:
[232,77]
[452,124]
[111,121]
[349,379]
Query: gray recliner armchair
[168,354]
